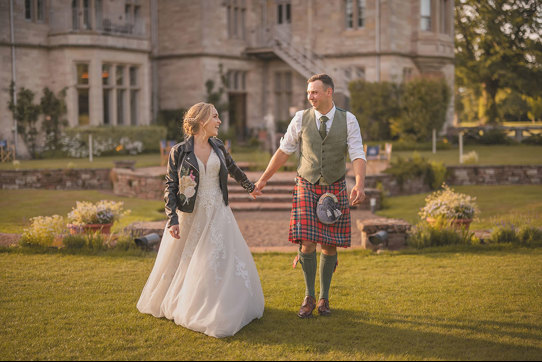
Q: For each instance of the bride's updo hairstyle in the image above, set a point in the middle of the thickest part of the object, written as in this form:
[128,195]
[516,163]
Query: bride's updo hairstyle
[196,118]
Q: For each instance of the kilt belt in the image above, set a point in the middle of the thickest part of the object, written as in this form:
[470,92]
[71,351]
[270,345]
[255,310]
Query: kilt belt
[304,224]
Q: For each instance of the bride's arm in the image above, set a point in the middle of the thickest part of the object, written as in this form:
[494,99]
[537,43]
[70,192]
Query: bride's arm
[172,187]
[235,171]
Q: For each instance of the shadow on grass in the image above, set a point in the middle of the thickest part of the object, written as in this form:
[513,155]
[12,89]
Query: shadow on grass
[354,332]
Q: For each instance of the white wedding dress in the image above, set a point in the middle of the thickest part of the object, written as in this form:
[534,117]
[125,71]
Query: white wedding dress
[206,280]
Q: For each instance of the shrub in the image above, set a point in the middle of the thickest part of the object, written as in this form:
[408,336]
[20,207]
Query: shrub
[433,173]
[374,105]
[102,212]
[43,230]
[535,139]
[112,140]
[450,205]
[77,241]
[442,233]
[423,103]
[504,234]
[470,158]
[124,242]
[91,241]
[172,120]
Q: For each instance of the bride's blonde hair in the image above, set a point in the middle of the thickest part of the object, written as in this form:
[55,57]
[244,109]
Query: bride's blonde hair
[197,117]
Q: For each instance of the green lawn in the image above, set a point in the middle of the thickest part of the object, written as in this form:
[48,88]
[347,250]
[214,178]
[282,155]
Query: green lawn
[497,204]
[487,155]
[451,304]
[18,206]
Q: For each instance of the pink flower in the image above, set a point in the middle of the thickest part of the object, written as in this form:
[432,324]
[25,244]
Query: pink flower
[192,175]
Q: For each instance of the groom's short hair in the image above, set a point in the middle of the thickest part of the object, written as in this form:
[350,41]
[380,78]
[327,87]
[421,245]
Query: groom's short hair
[326,79]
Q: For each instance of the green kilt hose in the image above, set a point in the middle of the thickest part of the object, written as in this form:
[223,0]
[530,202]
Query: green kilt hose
[304,224]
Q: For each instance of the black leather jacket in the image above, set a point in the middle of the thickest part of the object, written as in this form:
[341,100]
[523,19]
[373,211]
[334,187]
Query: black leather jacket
[182,163]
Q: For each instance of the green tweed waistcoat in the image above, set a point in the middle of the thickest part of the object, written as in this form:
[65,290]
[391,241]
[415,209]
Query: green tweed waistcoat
[325,157]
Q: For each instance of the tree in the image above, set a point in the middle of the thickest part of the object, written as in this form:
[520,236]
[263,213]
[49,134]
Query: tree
[423,102]
[53,108]
[374,105]
[498,46]
[26,113]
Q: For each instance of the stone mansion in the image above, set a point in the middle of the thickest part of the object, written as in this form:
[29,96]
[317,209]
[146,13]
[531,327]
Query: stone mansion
[122,61]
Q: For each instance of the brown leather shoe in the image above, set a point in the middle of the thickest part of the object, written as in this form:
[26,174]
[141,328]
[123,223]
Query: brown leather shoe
[307,307]
[323,307]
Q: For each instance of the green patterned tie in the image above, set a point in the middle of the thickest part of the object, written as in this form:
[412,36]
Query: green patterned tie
[323,128]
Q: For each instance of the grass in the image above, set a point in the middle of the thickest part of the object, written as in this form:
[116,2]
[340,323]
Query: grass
[18,206]
[488,155]
[499,203]
[447,304]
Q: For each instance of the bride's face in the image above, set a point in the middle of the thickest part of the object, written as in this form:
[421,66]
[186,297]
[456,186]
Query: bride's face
[212,125]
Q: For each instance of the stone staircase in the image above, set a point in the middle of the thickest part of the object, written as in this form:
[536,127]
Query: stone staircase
[299,57]
[277,195]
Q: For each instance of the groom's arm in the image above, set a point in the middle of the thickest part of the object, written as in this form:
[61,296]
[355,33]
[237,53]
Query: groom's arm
[277,161]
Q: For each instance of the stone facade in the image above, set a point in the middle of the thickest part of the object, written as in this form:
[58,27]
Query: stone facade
[264,49]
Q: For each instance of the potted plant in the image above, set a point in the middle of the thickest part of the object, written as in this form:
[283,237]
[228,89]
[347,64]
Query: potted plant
[86,216]
[455,208]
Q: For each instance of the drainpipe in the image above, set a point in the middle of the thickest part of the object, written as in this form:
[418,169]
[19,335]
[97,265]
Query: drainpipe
[13,76]
[377,40]
[153,59]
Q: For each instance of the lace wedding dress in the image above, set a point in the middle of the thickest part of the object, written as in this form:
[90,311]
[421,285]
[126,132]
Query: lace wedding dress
[206,280]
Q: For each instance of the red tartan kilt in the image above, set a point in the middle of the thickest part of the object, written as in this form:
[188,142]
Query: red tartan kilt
[304,224]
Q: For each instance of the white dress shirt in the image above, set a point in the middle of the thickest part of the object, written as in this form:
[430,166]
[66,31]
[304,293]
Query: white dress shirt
[290,142]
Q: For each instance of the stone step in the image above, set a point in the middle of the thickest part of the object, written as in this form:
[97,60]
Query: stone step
[264,198]
[257,205]
[273,189]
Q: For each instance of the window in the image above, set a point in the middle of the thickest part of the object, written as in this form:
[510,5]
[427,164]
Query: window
[121,92]
[283,95]
[34,10]
[28,9]
[445,11]
[134,94]
[83,109]
[75,14]
[236,18]
[425,15]
[354,14]
[284,12]
[107,93]
[86,14]
[361,13]
[41,11]
[98,14]
[407,74]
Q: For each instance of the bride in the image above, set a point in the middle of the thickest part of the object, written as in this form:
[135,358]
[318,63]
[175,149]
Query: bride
[204,277]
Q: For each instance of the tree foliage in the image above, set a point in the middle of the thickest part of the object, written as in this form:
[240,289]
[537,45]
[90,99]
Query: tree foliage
[375,105]
[26,113]
[498,47]
[53,108]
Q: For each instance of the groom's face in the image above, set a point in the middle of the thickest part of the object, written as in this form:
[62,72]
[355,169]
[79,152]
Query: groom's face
[319,97]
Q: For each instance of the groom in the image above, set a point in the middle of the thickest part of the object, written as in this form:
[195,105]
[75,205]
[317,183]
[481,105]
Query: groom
[323,135]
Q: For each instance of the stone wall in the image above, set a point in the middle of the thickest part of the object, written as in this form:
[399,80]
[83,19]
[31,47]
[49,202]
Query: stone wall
[151,186]
[463,175]
[133,184]
[495,175]
[60,179]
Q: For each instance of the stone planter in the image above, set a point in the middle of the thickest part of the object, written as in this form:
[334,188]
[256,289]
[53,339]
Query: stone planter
[90,228]
[455,223]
